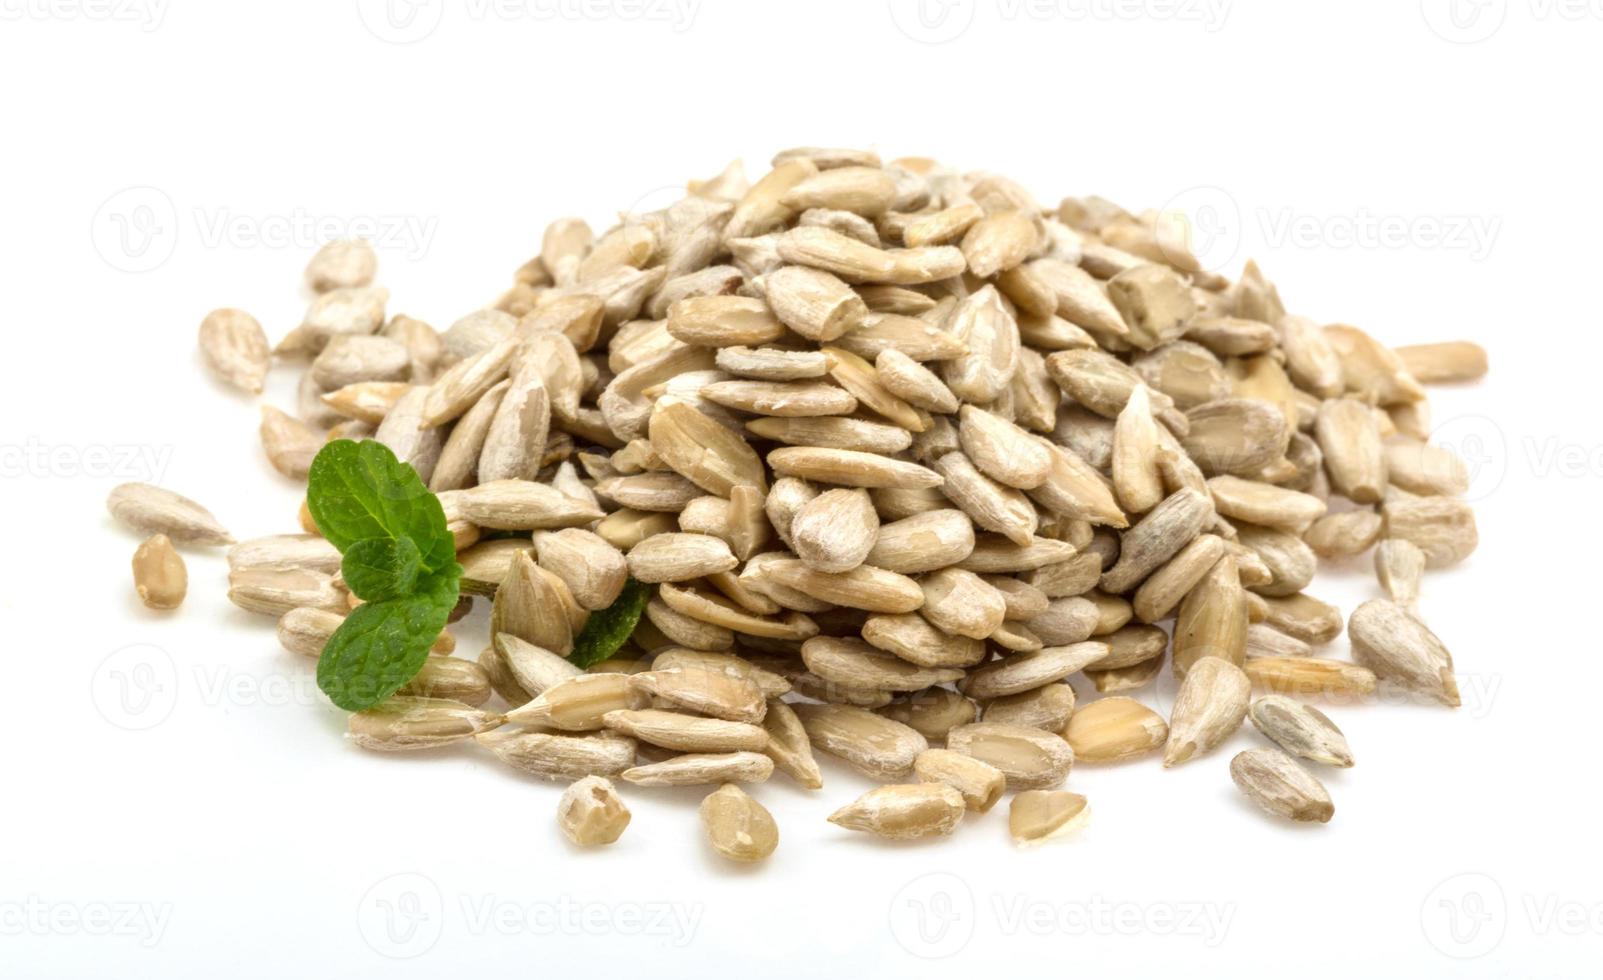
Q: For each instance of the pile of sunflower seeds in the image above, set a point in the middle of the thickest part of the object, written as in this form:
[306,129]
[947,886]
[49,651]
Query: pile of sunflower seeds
[903,452]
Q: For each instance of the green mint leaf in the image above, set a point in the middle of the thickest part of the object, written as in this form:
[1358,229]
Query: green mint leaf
[358,491]
[377,569]
[382,645]
[608,629]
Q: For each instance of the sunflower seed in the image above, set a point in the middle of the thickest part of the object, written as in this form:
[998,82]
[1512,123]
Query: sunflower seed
[1113,730]
[593,570]
[234,348]
[853,261]
[1047,707]
[405,433]
[579,704]
[153,510]
[1210,706]
[812,302]
[709,692]
[686,733]
[1301,730]
[1169,585]
[1354,455]
[570,757]
[1400,565]
[772,363]
[1264,640]
[1036,816]
[1028,757]
[1344,535]
[522,505]
[1160,535]
[1398,647]
[590,812]
[1279,786]
[737,826]
[448,678]
[835,531]
[853,663]
[1308,676]
[874,745]
[904,812]
[403,724]
[1441,527]
[1452,361]
[702,768]
[276,591]
[160,577]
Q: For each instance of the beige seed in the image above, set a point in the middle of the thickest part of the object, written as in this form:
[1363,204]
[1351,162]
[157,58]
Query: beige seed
[917,338]
[772,363]
[1121,679]
[535,670]
[579,704]
[1074,489]
[1290,561]
[403,724]
[984,326]
[1003,451]
[366,401]
[980,784]
[160,577]
[153,510]
[1028,757]
[1354,455]
[1301,730]
[785,399]
[718,611]
[1137,478]
[813,303]
[275,591]
[513,447]
[1344,535]
[923,542]
[1047,708]
[1210,706]
[864,587]
[1280,787]
[1169,585]
[853,261]
[709,692]
[1452,361]
[737,826]
[1310,676]
[407,435]
[1237,436]
[992,505]
[679,557]
[1263,503]
[944,226]
[833,432]
[664,492]
[932,713]
[1441,527]
[1160,535]
[1304,617]
[1155,303]
[788,745]
[1029,671]
[1036,816]
[686,733]
[286,551]
[912,382]
[867,191]
[1398,647]
[769,683]
[1428,470]
[904,812]
[234,347]
[593,570]
[994,554]
[522,505]
[568,757]
[835,531]
[455,391]
[448,678]
[699,769]
[1000,241]
[352,359]
[723,321]
[911,637]
[873,745]
[675,627]
[1264,640]
[289,443]
[590,812]
[853,663]
[1113,730]
[1131,645]
[1400,566]
[1080,298]
[532,605]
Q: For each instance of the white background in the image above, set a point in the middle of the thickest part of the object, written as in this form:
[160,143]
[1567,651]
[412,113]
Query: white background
[179,801]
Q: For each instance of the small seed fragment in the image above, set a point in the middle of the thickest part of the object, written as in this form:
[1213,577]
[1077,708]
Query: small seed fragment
[160,577]
[590,812]
[1039,815]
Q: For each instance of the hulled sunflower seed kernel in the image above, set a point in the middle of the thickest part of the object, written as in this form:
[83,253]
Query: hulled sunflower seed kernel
[1113,730]
[1274,781]
[737,826]
[904,812]
[160,577]
[1301,730]
[980,783]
